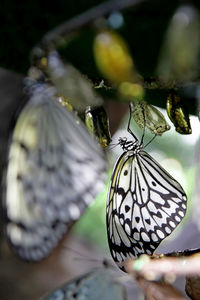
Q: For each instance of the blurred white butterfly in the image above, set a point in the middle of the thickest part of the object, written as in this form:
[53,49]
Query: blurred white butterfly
[71,84]
[54,172]
[96,285]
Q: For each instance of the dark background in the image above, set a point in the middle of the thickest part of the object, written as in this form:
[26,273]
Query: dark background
[24,24]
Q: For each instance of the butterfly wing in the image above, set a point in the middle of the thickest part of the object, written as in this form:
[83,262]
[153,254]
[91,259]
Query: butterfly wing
[70,83]
[145,204]
[96,285]
[54,171]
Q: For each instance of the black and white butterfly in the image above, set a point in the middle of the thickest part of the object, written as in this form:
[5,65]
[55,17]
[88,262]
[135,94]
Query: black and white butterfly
[55,169]
[96,285]
[145,203]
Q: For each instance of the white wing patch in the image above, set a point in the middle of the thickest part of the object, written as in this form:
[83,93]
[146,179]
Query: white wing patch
[54,171]
[145,204]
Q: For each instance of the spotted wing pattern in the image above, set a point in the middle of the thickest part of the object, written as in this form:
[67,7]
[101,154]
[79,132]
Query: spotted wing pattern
[55,170]
[96,285]
[145,204]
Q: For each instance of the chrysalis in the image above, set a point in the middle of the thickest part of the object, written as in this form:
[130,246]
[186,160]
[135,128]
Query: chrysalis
[179,59]
[146,115]
[112,57]
[97,123]
[178,113]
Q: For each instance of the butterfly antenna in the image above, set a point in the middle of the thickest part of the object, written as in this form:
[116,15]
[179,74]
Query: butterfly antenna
[142,139]
[112,146]
[83,257]
[129,121]
[72,250]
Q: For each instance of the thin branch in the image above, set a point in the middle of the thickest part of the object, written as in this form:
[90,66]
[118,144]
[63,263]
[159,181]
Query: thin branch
[60,33]
[158,267]
[159,290]
[69,29]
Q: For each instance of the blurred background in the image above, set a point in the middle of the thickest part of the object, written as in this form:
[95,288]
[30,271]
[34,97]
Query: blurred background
[163,38]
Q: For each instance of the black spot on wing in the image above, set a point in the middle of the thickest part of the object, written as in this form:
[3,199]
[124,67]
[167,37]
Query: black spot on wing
[158,214]
[148,221]
[137,219]
[120,190]
[125,173]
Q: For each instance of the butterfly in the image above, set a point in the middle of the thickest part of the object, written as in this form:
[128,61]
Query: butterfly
[145,203]
[96,285]
[55,169]
[70,83]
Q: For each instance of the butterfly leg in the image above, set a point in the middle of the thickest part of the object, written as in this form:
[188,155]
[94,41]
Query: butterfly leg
[129,121]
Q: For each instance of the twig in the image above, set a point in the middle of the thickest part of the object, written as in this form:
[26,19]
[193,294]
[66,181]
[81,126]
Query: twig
[69,29]
[159,290]
[155,268]
[53,37]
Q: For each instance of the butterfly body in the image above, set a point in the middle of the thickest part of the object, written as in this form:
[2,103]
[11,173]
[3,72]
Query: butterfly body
[145,203]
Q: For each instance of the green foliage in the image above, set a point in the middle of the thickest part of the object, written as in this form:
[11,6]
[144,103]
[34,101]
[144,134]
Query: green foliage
[92,225]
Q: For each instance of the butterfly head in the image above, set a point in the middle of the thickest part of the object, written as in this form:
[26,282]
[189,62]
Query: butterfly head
[128,145]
